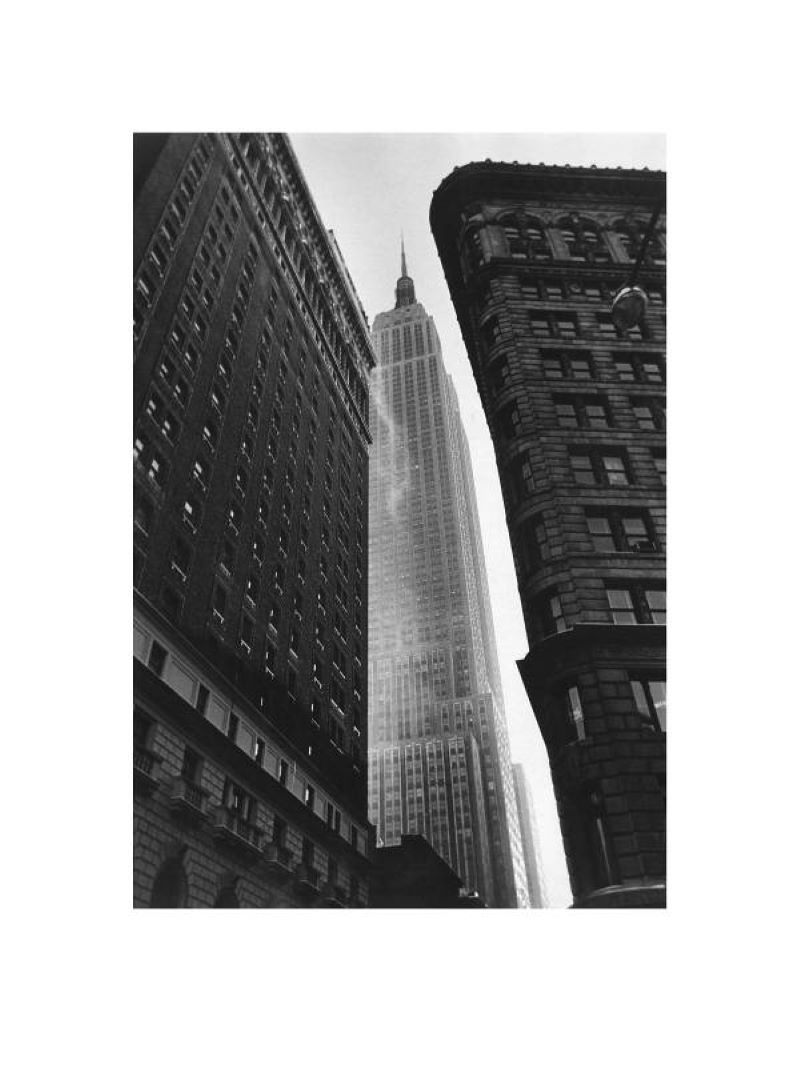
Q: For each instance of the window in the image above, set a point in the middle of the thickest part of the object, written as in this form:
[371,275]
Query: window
[575,712]
[621,531]
[660,461]
[613,469]
[201,471]
[210,433]
[577,366]
[191,766]
[283,772]
[235,799]
[508,420]
[142,729]
[246,633]
[650,414]
[252,588]
[181,558]
[551,614]
[157,659]
[201,702]
[595,467]
[279,832]
[142,513]
[640,367]
[308,797]
[218,605]
[235,516]
[157,470]
[650,697]
[582,412]
[546,324]
[637,605]
[533,543]
[497,374]
[606,327]
[308,853]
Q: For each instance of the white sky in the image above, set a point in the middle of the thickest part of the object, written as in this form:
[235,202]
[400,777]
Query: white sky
[370,187]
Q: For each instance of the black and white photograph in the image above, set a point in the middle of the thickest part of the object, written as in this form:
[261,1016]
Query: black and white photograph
[399,521]
[397,674]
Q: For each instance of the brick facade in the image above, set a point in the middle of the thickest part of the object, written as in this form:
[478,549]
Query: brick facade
[576,410]
[251,364]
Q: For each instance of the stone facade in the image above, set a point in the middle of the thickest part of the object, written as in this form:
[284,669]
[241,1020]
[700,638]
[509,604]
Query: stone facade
[251,365]
[533,256]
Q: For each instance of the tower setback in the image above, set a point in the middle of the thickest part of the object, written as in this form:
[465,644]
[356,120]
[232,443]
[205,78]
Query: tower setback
[439,763]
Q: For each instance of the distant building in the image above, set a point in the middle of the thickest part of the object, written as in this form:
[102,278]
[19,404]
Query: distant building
[528,833]
[439,762]
[251,363]
[576,409]
[413,875]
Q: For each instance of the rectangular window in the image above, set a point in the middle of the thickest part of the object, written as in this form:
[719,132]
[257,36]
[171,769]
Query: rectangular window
[534,546]
[660,461]
[621,603]
[191,767]
[602,537]
[583,469]
[575,712]
[637,605]
[157,658]
[620,531]
[551,614]
[238,801]
[651,702]
[593,467]
[584,412]
[614,470]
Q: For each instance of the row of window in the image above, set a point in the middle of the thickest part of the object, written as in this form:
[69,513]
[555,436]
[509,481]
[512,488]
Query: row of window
[591,412]
[158,257]
[244,806]
[575,238]
[611,530]
[291,228]
[244,737]
[629,604]
[575,365]
[562,289]
[649,698]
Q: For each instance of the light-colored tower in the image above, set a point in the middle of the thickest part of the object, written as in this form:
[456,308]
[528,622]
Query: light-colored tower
[529,834]
[439,761]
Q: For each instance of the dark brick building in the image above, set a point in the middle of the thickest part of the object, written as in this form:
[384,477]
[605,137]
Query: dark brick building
[576,410]
[251,363]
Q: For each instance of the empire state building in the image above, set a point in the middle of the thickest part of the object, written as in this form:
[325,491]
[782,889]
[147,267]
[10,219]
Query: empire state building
[439,762]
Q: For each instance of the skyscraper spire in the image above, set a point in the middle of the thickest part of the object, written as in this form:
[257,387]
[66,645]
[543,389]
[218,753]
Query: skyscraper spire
[404,290]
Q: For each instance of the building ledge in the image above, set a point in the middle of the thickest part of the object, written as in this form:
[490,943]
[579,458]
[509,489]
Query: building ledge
[278,860]
[229,828]
[306,880]
[648,895]
[187,798]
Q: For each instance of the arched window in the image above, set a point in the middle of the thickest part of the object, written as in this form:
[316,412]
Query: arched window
[170,889]
[516,244]
[584,239]
[538,246]
[630,233]
[473,250]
